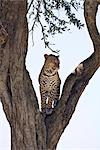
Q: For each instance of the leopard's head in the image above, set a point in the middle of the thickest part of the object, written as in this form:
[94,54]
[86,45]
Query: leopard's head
[51,64]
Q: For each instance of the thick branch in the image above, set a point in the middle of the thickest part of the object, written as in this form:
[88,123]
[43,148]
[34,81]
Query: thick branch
[72,90]
[90,10]
[75,83]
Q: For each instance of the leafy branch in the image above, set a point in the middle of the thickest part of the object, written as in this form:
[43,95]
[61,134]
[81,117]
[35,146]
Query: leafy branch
[52,23]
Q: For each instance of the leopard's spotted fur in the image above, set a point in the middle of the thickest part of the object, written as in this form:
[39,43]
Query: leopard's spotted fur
[49,82]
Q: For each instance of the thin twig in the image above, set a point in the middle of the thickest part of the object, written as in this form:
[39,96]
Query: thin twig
[30,5]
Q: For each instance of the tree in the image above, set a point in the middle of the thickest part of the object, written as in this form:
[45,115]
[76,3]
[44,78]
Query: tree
[29,129]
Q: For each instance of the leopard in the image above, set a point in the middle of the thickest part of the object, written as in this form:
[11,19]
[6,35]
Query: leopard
[49,82]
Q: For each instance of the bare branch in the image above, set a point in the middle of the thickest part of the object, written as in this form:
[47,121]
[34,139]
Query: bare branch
[76,82]
[72,90]
[30,5]
[90,10]
[47,44]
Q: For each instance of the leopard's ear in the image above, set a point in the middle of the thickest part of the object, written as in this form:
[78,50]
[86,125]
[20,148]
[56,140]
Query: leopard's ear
[46,56]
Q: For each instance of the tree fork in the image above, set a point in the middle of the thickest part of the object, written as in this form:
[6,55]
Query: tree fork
[29,129]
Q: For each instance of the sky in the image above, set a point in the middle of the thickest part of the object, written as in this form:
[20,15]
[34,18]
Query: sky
[83,131]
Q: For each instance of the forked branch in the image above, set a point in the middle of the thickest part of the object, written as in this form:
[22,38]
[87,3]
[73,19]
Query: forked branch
[76,82]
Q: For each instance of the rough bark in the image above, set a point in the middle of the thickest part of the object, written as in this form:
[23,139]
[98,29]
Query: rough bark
[29,129]
[17,95]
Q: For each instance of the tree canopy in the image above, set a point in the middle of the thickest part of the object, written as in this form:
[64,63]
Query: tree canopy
[54,16]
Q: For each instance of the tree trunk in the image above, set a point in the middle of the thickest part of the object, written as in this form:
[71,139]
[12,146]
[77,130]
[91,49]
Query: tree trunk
[29,129]
[18,96]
